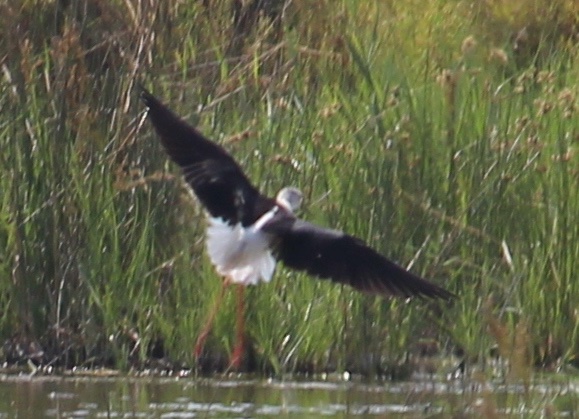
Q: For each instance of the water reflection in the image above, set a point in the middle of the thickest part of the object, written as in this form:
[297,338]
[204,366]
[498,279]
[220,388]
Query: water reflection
[65,397]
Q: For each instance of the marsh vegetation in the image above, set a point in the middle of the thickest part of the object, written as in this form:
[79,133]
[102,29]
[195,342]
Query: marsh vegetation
[444,133]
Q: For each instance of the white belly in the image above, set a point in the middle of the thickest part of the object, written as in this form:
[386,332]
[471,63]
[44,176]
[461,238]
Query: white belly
[240,254]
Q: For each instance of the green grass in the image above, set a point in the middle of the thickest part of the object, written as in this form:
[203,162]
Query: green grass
[458,158]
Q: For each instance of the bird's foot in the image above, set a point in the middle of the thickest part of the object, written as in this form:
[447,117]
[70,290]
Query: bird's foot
[236,359]
[200,344]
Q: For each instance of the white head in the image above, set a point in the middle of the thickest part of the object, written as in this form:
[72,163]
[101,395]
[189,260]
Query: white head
[290,198]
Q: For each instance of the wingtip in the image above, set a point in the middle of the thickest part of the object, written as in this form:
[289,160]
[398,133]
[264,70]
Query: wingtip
[433,292]
[146,96]
[441,294]
[420,288]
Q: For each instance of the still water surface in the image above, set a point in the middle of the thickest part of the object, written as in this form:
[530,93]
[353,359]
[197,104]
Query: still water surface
[93,397]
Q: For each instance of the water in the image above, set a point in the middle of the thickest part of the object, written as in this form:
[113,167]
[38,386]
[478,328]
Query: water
[141,397]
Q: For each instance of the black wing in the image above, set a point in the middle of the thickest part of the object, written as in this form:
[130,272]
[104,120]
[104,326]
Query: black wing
[333,255]
[215,177]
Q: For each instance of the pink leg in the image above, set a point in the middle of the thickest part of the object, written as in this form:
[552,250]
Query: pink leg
[200,344]
[239,349]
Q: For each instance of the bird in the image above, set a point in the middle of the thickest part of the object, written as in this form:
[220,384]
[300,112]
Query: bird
[249,232]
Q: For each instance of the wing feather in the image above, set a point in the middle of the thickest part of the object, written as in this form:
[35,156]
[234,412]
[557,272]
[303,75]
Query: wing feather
[331,254]
[212,173]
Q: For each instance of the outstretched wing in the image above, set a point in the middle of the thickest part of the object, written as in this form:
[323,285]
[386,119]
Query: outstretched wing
[331,254]
[215,177]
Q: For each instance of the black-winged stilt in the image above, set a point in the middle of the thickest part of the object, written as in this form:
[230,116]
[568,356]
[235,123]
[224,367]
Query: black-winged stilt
[248,231]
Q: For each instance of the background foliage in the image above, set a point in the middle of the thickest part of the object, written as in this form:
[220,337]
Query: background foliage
[444,133]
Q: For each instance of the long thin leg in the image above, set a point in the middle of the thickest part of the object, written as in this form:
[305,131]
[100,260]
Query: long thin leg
[239,348]
[200,344]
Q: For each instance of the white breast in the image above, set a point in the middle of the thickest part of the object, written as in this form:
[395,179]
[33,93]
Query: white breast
[240,253]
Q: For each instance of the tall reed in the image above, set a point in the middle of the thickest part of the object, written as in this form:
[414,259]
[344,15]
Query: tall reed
[430,136]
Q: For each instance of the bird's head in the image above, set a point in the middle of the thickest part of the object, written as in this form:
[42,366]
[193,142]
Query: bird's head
[290,198]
